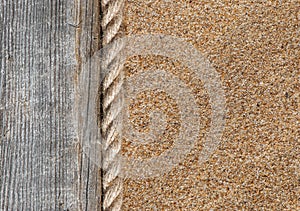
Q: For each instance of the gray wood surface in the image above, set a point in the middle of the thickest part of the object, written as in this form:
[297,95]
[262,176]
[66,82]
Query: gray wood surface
[43,44]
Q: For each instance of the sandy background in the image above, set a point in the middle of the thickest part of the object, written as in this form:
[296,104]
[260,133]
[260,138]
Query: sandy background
[255,47]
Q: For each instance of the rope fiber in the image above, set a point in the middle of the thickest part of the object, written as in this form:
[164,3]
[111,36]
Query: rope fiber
[111,107]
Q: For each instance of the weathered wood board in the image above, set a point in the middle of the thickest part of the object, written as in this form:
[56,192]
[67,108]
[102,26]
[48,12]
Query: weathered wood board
[42,45]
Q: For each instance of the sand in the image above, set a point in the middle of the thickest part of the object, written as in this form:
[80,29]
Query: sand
[255,48]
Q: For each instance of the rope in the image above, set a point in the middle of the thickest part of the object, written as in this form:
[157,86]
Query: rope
[112,103]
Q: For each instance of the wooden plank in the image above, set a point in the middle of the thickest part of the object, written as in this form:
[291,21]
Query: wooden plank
[87,43]
[42,166]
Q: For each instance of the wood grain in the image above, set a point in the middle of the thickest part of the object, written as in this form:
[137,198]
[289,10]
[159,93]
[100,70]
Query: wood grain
[43,44]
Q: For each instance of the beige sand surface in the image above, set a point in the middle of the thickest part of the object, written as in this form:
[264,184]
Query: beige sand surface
[255,47]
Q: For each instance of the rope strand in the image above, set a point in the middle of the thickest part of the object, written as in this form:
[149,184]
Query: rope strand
[112,103]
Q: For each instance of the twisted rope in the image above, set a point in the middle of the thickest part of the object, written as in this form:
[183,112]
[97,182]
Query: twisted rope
[112,103]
